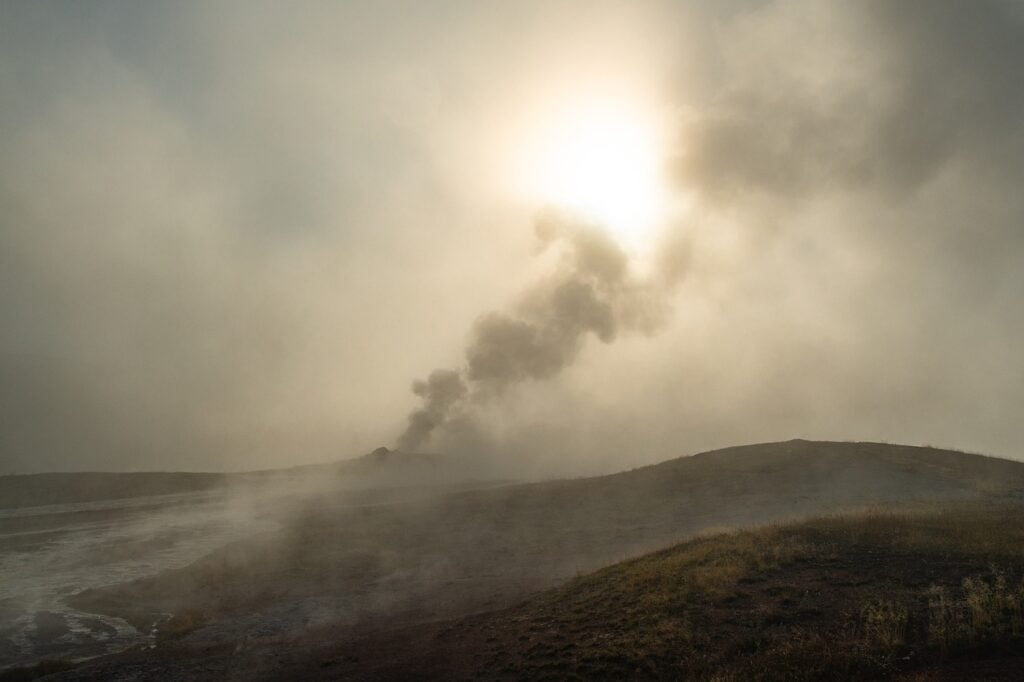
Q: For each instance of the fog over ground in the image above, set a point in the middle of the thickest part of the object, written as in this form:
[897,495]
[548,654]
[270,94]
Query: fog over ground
[234,234]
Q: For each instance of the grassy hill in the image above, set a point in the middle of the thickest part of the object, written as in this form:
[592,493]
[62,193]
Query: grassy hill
[368,567]
[926,595]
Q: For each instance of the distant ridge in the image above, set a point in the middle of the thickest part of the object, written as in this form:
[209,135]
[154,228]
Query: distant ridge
[380,467]
[799,466]
[34,490]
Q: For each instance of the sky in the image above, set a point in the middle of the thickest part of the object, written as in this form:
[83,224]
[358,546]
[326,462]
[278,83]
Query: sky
[566,238]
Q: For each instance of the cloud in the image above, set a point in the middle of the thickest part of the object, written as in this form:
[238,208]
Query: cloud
[851,259]
[201,215]
[230,235]
[822,97]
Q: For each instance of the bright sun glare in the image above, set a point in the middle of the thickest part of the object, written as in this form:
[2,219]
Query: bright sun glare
[602,161]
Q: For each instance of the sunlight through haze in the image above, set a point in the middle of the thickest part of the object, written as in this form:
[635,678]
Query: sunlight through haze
[600,160]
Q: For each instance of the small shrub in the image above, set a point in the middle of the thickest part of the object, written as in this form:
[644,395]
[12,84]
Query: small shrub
[989,611]
[945,621]
[885,624]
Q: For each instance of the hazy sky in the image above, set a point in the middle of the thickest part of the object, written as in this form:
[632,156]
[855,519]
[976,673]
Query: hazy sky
[234,234]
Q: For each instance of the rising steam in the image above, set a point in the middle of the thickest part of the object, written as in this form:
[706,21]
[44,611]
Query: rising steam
[591,291]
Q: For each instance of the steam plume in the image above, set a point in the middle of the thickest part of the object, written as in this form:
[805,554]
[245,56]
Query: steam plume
[591,291]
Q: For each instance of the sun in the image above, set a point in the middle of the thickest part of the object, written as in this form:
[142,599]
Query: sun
[600,160]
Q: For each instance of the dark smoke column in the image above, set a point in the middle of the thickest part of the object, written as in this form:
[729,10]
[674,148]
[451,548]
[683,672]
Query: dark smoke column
[591,291]
[442,389]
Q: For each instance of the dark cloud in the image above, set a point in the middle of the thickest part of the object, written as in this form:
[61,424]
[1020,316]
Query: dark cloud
[873,95]
[440,392]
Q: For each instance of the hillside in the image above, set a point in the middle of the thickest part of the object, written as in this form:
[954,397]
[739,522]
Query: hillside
[363,567]
[932,595]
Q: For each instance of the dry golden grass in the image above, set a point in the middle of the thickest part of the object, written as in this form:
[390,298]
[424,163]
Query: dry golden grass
[852,596]
[986,608]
